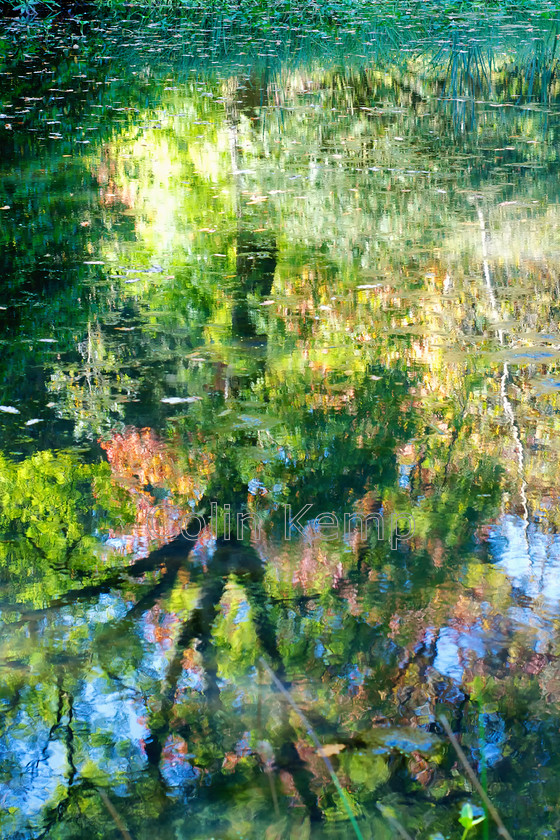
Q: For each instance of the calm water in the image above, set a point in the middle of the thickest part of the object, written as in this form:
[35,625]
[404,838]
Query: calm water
[282,270]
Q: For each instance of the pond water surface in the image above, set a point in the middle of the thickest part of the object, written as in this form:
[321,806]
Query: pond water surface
[283,270]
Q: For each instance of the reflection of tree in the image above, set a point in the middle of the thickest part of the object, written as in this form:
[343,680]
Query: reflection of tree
[89,393]
[168,582]
[360,385]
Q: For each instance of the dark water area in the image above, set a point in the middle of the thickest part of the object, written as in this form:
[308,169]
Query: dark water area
[279,379]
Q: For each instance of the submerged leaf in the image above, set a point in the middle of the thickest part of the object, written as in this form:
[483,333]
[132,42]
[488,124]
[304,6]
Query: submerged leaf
[333,749]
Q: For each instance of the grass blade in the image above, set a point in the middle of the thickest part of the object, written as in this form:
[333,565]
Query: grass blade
[313,735]
[472,776]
